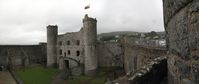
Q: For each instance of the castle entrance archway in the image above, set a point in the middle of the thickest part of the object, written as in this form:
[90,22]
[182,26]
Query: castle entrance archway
[66,63]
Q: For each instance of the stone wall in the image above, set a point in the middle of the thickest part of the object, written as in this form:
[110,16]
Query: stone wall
[77,48]
[136,56]
[127,54]
[70,45]
[22,55]
[182,32]
[143,64]
[153,73]
[110,54]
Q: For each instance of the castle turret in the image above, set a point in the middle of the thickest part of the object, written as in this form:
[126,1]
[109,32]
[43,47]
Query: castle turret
[90,38]
[51,45]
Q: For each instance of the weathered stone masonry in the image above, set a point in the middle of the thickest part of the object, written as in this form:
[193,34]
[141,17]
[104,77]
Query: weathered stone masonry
[76,49]
[143,63]
[22,55]
[137,56]
[90,39]
[71,50]
[110,54]
[181,25]
[51,45]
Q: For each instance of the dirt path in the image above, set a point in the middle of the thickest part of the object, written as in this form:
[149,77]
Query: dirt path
[6,78]
[57,79]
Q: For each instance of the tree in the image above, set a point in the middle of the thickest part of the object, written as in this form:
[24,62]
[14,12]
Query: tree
[107,38]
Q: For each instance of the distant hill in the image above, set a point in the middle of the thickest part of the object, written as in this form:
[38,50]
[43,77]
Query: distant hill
[126,33]
[117,33]
[112,35]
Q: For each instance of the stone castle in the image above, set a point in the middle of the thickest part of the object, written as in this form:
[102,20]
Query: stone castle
[70,49]
[81,52]
[177,63]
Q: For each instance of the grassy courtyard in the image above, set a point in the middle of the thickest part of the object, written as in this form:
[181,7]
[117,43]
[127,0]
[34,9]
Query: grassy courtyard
[37,75]
[100,78]
[40,75]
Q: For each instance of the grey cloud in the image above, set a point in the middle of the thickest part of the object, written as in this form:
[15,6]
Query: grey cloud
[25,21]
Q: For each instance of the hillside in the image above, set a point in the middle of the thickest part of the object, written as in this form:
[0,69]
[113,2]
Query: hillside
[116,35]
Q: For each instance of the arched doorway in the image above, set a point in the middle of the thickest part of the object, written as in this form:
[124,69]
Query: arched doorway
[66,63]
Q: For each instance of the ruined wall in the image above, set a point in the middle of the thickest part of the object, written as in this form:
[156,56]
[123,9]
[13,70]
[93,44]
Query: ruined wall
[143,63]
[182,32]
[75,48]
[154,73]
[110,54]
[22,55]
[70,45]
[136,56]
[127,53]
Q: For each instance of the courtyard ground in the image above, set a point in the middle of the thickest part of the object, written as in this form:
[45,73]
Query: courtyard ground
[40,75]
[37,75]
[101,77]
[6,78]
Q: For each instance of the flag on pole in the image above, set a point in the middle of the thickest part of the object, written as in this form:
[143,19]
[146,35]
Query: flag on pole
[87,7]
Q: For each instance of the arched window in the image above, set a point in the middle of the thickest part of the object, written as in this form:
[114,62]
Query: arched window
[68,42]
[64,53]
[60,52]
[78,42]
[68,52]
[78,53]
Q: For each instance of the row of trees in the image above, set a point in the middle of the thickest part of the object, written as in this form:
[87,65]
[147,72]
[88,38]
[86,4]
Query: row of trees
[150,35]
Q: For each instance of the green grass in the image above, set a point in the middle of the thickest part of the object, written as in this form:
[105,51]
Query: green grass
[100,78]
[37,75]
[85,80]
[40,75]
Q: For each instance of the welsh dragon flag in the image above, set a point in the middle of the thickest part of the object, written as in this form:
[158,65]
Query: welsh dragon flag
[87,7]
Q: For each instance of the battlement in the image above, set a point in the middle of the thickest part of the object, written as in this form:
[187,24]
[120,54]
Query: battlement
[87,18]
[52,26]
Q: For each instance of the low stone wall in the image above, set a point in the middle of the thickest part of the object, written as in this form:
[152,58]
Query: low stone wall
[110,54]
[137,56]
[153,73]
[22,55]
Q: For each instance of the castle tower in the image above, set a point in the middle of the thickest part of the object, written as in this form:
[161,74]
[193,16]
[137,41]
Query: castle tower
[51,45]
[90,38]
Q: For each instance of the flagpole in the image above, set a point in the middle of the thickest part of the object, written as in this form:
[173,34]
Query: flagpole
[87,7]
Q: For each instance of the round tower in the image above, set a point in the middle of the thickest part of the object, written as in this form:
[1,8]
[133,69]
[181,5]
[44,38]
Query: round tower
[90,38]
[51,45]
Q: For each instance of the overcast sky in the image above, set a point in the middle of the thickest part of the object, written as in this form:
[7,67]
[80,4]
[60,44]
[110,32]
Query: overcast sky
[25,21]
